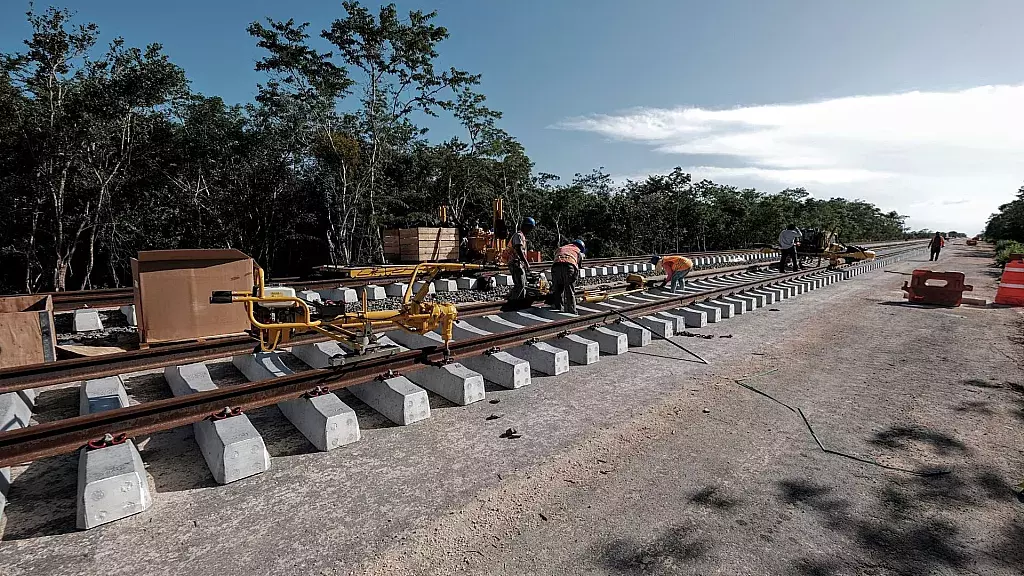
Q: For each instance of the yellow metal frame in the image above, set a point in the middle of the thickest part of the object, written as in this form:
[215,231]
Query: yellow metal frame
[355,328]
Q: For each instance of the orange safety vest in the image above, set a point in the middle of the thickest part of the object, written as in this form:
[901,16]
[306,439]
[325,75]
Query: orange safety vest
[570,254]
[673,264]
[510,254]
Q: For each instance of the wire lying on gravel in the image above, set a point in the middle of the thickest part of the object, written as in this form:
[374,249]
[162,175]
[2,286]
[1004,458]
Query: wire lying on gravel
[810,429]
[694,354]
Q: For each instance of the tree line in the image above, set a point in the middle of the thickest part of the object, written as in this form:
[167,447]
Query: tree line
[105,151]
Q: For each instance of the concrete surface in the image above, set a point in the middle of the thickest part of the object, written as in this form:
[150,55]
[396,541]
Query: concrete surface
[112,485]
[102,394]
[644,463]
[453,382]
[398,399]
[86,320]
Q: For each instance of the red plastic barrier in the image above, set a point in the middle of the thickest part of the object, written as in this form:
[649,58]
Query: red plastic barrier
[1011,285]
[949,293]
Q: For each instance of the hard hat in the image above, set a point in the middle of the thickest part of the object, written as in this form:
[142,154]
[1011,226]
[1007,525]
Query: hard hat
[529,222]
[579,244]
[655,258]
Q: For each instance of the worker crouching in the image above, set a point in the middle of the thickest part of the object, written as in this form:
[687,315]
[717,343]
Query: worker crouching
[675,269]
[565,271]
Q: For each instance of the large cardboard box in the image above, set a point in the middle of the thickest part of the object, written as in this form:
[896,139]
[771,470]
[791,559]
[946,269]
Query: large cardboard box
[26,331]
[173,288]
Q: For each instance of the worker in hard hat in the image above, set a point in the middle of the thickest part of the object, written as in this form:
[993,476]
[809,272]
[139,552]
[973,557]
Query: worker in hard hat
[565,270]
[675,269]
[518,265]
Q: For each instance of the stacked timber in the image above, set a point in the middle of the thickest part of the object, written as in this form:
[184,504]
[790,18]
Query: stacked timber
[421,244]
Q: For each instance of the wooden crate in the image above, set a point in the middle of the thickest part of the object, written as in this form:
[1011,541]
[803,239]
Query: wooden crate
[428,244]
[392,245]
[27,335]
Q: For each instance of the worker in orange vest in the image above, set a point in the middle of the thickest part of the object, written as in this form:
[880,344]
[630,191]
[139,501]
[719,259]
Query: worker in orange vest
[936,245]
[518,264]
[565,270]
[675,269]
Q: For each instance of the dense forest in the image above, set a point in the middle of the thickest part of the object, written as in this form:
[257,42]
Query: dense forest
[105,150]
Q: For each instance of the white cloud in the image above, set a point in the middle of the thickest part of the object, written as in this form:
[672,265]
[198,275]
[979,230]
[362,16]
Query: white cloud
[946,159]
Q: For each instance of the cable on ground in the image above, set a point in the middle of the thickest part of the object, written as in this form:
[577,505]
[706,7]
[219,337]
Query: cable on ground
[798,411]
[694,354]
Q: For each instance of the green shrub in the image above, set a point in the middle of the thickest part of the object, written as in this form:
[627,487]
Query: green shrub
[1004,248]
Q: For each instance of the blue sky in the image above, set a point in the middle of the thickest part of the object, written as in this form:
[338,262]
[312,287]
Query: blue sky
[752,93]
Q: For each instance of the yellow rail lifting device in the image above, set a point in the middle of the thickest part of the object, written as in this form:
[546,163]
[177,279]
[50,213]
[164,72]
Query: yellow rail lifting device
[277,315]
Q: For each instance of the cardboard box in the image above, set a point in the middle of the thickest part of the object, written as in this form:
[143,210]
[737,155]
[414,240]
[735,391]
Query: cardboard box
[26,331]
[173,288]
[428,244]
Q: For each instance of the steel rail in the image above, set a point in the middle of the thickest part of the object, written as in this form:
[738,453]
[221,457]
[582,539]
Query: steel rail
[65,436]
[108,297]
[46,374]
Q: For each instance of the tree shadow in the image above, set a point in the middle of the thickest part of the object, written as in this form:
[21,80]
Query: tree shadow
[174,461]
[897,437]
[41,500]
[714,497]
[665,552]
[57,404]
[979,383]
[280,436]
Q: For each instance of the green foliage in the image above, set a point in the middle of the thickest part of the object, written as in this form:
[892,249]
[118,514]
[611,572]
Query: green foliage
[1005,249]
[104,153]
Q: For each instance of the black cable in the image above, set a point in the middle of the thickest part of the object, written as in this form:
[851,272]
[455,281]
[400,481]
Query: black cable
[818,442]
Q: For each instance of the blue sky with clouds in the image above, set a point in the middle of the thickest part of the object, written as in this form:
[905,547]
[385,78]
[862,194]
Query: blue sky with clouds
[915,105]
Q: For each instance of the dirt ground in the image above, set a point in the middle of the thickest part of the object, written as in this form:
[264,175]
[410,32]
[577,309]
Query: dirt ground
[641,464]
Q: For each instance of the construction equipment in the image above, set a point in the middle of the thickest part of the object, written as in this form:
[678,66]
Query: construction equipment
[824,244]
[277,315]
[490,246]
[634,283]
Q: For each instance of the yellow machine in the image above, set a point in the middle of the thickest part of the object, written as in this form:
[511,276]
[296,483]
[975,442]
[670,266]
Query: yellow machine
[634,283]
[277,315]
[824,244]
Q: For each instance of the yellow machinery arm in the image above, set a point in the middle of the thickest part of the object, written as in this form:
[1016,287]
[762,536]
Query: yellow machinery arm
[277,314]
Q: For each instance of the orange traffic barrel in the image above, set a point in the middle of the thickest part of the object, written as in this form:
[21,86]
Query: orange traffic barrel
[1011,286]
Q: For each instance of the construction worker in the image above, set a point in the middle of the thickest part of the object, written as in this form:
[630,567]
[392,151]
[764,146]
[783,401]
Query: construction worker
[675,269]
[518,264]
[936,244]
[565,270]
[787,245]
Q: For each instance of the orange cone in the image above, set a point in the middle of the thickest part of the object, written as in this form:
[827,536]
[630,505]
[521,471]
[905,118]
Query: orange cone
[1011,286]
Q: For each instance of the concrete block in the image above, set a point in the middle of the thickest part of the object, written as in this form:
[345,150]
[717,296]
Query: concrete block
[112,484]
[454,382]
[419,284]
[232,447]
[324,420]
[727,309]
[502,280]
[713,314]
[493,324]
[543,358]
[102,394]
[613,270]
[768,296]
[502,368]
[318,354]
[694,318]
[311,296]
[608,341]
[372,291]
[788,290]
[466,283]
[677,320]
[396,290]
[778,293]
[637,335]
[749,301]
[414,341]
[339,294]
[756,300]
[581,350]
[445,285]
[87,320]
[661,326]
[601,271]
[14,413]
[524,318]
[398,399]
[466,331]
[28,397]
[129,314]
[738,306]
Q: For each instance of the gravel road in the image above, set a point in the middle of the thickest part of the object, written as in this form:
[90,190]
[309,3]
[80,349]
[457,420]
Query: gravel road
[641,464]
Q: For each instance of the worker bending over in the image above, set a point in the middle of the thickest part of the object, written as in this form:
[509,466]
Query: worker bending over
[675,268]
[564,272]
[518,265]
[787,245]
[936,245]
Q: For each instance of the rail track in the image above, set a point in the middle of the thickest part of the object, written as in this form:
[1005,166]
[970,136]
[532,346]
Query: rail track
[728,293]
[113,297]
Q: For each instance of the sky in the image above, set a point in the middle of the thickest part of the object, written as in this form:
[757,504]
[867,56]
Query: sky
[913,105]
